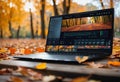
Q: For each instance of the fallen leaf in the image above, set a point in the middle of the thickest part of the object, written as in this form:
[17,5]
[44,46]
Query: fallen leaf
[80,79]
[2,72]
[40,49]
[16,79]
[34,75]
[48,78]
[5,71]
[12,50]
[94,81]
[27,51]
[3,55]
[23,71]
[98,65]
[2,50]
[80,60]
[41,66]
[30,73]
[114,63]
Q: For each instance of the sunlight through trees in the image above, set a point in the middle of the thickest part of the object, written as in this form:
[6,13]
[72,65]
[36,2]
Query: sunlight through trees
[30,18]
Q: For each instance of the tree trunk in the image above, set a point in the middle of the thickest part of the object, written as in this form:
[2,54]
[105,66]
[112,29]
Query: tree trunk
[42,14]
[18,32]
[1,33]
[55,8]
[66,6]
[10,29]
[31,24]
[103,7]
[111,4]
[36,32]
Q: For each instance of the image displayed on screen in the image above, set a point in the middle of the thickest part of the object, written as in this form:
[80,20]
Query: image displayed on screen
[78,34]
[86,23]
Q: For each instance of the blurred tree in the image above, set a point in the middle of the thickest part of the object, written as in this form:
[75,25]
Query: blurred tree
[31,24]
[111,4]
[101,2]
[40,6]
[19,16]
[31,20]
[55,8]
[42,14]
[3,19]
[66,6]
[36,32]
[10,13]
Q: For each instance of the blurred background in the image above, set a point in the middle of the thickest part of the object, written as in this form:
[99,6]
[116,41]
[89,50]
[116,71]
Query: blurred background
[30,18]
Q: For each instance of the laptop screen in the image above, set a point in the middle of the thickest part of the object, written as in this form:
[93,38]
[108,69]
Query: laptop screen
[81,32]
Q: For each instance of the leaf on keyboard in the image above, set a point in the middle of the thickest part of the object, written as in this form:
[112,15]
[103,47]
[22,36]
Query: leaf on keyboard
[41,66]
[81,59]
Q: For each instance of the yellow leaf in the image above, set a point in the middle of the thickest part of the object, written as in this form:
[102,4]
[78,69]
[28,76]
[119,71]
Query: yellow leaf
[2,50]
[80,60]
[41,66]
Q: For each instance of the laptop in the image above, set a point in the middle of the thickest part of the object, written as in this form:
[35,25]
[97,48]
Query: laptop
[78,34]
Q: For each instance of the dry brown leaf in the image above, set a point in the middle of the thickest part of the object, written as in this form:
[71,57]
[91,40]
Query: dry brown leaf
[34,75]
[16,79]
[23,71]
[5,71]
[94,65]
[30,73]
[3,55]
[81,60]
[2,72]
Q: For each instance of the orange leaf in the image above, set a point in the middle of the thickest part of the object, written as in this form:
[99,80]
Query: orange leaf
[114,63]
[41,66]
[12,50]
[80,60]
[40,49]
[27,51]
[80,79]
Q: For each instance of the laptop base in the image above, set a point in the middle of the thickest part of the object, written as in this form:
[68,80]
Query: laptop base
[59,58]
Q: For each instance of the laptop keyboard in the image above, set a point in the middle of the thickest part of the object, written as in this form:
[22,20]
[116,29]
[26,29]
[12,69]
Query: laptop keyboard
[91,55]
[64,53]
